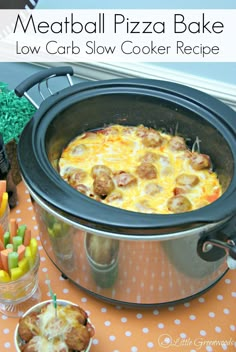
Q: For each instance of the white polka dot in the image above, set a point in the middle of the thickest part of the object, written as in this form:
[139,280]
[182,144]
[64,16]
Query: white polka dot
[233,294]
[227,281]
[150,344]
[65,290]
[201,300]
[128,333]
[226,311]
[192,350]
[187,304]
[6,331]
[171,309]
[95,341]
[224,347]
[209,349]
[183,335]
[103,310]
[84,299]
[139,316]
[160,325]
[145,330]
[112,338]
[202,332]
[134,349]
[44,270]
[177,321]
[220,297]
[7,345]
[123,320]
[155,312]
[192,317]
[217,329]
[232,327]
[42,259]
[107,323]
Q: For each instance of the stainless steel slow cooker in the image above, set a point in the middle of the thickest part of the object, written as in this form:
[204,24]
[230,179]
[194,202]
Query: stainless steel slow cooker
[156,259]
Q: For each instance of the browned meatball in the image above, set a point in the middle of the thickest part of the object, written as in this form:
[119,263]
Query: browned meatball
[152,139]
[79,150]
[149,157]
[28,326]
[179,190]
[103,185]
[77,338]
[82,188]
[115,195]
[123,179]
[76,177]
[146,171]
[177,143]
[200,161]
[98,169]
[187,180]
[179,204]
[152,189]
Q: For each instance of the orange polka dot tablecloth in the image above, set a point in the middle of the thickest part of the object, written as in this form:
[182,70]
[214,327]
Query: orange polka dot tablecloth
[207,323]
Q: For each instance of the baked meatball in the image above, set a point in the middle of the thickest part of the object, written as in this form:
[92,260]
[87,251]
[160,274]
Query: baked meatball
[179,204]
[187,180]
[152,139]
[149,157]
[28,326]
[76,177]
[98,169]
[123,179]
[200,161]
[146,171]
[177,143]
[113,196]
[103,185]
[152,189]
[77,338]
[79,150]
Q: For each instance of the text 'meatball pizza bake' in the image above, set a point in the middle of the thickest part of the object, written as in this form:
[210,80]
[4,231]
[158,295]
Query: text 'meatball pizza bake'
[139,169]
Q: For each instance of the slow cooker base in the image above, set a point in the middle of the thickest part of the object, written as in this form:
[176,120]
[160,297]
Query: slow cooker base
[142,305]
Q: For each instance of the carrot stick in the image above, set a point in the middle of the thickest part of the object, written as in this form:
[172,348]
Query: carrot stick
[21,251]
[3,187]
[13,228]
[27,237]
[1,245]
[4,258]
[1,233]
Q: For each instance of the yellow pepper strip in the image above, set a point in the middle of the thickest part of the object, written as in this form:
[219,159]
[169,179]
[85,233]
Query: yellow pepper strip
[24,265]
[16,273]
[4,204]
[34,247]
[4,276]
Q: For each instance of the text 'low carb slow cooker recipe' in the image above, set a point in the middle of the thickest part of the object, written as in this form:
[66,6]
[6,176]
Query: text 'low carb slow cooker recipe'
[139,169]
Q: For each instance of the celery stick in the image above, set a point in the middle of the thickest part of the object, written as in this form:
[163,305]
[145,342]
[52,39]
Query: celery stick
[17,241]
[9,245]
[12,260]
[6,238]
[21,231]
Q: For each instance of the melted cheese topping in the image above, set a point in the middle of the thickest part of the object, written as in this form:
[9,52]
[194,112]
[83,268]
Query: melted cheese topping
[121,148]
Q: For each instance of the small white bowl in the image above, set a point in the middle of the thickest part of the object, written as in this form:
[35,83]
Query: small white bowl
[37,307]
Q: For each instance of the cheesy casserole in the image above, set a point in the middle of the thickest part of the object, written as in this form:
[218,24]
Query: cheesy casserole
[139,169]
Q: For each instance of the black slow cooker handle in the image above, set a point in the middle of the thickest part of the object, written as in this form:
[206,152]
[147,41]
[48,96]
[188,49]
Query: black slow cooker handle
[40,76]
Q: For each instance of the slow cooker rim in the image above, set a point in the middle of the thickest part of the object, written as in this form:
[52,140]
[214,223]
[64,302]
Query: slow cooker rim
[146,221]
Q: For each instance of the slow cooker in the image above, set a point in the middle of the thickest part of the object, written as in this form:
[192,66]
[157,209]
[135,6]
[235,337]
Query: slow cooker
[156,259]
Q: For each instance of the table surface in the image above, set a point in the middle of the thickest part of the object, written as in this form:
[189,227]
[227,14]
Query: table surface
[206,323]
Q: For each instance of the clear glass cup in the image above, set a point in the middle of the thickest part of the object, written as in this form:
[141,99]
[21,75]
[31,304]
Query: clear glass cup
[17,296]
